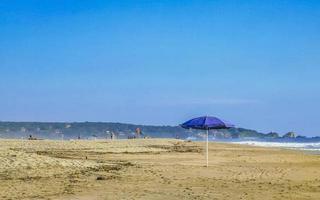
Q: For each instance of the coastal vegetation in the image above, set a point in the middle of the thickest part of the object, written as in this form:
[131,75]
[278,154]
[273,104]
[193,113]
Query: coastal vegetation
[85,130]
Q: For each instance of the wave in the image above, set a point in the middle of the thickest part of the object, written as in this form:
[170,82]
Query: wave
[309,146]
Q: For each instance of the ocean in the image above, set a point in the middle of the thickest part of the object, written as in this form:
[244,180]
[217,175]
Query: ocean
[305,144]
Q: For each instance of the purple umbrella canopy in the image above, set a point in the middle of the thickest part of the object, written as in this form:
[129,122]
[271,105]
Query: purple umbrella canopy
[207,122]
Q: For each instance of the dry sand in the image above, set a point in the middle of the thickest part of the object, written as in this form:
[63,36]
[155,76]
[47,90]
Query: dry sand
[153,169]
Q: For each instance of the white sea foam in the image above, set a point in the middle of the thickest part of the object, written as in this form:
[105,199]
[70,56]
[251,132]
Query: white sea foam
[314,146]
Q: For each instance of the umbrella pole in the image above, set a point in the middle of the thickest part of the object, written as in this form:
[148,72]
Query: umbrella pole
[207,147]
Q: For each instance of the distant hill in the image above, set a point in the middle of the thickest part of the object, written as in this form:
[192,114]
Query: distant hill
[84,130]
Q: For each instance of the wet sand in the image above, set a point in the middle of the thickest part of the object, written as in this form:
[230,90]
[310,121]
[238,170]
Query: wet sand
[153,169]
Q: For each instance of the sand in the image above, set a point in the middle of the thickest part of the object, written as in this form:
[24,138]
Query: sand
[153,169]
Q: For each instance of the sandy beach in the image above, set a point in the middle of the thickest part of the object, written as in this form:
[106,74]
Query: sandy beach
[153,169]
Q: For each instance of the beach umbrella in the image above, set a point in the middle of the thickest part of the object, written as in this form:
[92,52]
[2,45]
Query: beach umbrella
[206,123]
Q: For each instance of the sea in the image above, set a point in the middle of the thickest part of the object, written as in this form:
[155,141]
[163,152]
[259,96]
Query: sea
[305,146]
[311,145]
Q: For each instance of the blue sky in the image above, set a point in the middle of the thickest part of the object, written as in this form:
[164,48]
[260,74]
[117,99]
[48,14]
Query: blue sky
[254,63]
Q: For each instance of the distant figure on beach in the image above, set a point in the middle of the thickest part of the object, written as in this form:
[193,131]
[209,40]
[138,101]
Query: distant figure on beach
[31,137]
[112,136]
[138,133]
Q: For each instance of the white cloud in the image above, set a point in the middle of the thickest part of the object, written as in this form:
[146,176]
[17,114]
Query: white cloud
[223,101]
[167,101]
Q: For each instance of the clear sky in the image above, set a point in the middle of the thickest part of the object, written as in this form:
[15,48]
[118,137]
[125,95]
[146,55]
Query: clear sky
[254,63]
